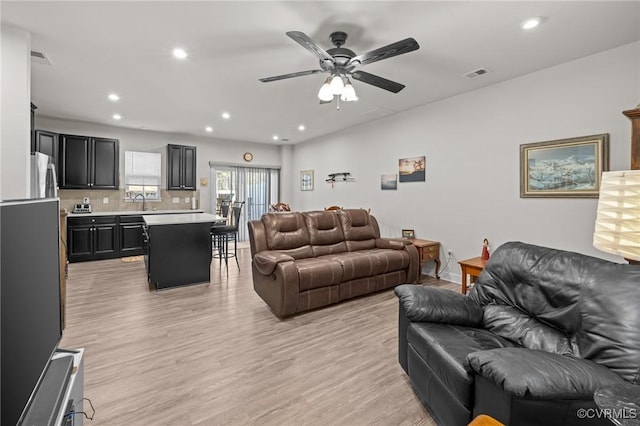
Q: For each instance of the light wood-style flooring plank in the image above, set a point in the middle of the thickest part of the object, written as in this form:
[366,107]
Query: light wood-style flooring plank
[213,354]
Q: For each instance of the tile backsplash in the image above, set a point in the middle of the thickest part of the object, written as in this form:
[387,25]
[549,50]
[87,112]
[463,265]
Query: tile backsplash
[116,200]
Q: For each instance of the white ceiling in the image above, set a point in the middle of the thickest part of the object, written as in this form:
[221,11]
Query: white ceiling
[125,47]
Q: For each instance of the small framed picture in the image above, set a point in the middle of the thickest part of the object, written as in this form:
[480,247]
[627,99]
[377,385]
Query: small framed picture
[408,233]
[306,180]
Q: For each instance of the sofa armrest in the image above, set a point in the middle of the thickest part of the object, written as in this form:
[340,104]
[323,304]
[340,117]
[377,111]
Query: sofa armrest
[266,261]
[429,304]
[541,375]
[390,243]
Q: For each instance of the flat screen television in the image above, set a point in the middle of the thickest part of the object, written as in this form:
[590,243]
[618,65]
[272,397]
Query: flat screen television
[30,310]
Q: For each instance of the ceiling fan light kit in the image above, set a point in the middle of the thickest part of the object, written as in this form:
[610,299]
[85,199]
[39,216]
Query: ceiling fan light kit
[342,63]
[337,85]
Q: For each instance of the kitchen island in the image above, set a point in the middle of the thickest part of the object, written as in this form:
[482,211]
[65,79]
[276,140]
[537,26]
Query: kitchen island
[178,248]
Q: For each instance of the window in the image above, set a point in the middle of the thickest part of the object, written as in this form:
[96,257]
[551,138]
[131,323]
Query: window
[142,174]
[257,187]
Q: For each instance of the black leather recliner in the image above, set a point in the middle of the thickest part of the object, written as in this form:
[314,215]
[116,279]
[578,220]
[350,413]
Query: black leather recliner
[538,333]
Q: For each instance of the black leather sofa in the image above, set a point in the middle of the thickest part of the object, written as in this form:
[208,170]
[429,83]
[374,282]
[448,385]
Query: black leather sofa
[538,333]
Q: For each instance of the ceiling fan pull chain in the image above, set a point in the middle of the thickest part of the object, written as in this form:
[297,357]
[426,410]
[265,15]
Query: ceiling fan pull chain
[337,103]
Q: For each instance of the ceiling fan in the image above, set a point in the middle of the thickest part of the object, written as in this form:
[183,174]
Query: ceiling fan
[341,63]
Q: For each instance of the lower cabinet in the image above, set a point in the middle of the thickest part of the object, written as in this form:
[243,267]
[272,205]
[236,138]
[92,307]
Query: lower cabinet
[92,238]
[105,237]
[131,235]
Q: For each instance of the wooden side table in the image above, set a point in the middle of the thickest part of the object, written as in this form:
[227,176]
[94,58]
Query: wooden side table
[427,251]
[472,267]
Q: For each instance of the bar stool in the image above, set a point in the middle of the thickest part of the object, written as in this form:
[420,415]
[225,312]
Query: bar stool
[221,234]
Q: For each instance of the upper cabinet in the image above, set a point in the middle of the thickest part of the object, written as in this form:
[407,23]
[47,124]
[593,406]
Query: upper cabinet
[88,162]
[181,167]
[47,143]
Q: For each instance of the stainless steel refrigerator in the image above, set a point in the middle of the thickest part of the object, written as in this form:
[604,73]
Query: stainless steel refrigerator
[43,176]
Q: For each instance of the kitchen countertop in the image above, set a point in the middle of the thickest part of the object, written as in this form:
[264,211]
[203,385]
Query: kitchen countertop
[177,219]
[135,212]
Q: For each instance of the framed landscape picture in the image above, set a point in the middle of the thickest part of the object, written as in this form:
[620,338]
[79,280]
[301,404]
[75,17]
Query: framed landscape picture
[388,181]
[412,169]
[306,180]
[564,167]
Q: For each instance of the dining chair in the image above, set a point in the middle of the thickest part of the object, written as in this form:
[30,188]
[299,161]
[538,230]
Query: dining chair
[280,207]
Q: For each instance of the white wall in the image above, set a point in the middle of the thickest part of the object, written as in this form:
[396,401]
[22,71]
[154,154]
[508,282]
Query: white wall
[208,149]
[471,143]
[15,116]
[287,175]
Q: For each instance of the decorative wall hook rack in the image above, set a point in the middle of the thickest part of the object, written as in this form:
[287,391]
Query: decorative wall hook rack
[339,177]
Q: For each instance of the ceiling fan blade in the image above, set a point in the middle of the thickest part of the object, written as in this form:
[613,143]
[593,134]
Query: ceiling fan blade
[394,49]
[310,45]
[377,81]
[291,75]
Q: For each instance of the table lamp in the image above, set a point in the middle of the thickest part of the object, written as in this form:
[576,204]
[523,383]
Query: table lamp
[617,228]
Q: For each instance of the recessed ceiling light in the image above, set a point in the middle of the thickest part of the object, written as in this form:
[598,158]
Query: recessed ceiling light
[114,97]
[275,137]
[226,115]
[209,129]
[530,23]
[301,127]
[179,53]
[117,116]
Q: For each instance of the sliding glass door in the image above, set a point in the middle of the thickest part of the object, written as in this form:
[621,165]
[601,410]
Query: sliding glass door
[257,187]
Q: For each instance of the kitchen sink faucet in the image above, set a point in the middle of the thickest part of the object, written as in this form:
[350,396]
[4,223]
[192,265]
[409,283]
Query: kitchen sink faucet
[144,208]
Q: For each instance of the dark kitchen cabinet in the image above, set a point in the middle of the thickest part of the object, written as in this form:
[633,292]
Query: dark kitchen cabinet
[131,235]
[92,238]
[88,162]
[47,143]
[181,167]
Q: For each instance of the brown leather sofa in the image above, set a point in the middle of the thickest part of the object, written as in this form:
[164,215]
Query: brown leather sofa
[302,261]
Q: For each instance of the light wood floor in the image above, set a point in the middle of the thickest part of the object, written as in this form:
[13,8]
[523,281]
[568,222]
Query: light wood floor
[214,354]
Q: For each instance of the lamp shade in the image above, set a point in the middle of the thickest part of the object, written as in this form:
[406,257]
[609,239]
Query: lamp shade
[349,93]
[336,85]
[617,229]
[325,94]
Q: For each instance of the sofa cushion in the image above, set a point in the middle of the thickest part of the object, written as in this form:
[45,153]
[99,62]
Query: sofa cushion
[543,282]
[526,331]
[391,260]
[317,272]
[325,232]
[287,232]
[358,264]
[445,347]
[358,228]
[610,319]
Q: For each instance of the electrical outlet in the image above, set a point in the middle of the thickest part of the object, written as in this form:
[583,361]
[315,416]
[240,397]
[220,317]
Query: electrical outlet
[105,200]
[187,200]
[175,200]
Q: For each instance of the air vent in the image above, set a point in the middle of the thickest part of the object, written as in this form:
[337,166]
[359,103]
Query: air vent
[40,58]
[477,73]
